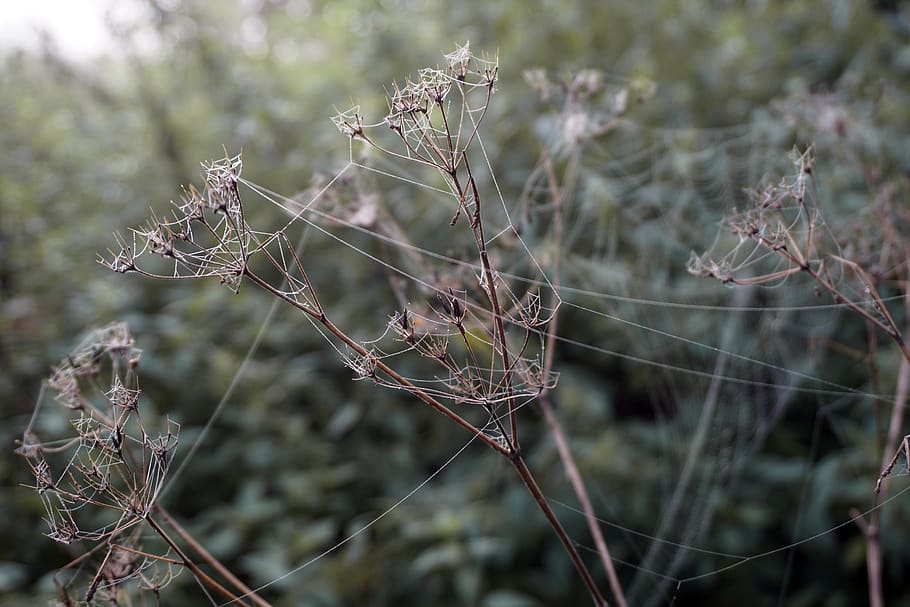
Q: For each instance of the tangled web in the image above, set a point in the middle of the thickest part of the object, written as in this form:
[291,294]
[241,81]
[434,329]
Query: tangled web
[98,467]
[693,386]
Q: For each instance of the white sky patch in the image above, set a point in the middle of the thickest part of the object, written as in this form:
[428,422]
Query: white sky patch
[77,26]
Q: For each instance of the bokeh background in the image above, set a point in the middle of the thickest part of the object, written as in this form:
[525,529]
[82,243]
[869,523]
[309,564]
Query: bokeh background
[717,93]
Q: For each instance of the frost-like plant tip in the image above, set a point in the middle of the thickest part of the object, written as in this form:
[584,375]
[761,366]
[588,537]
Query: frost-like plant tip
[412,99]
[529,312]
[349,122]
[436,84]
[767,197]
[363,364]
[224,173]
[191,207]
[221,178]
[587,82]
[436,347]
[459,60]
[695,265]
[804,161]
[401,325]
[67,387]
[620,102]
[706,267]
[537,378]
[121,396]
[122,261]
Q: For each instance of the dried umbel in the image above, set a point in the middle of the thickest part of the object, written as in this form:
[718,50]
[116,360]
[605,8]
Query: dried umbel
[584,106]
[204,236]
[779,219]
[98,467]
[783,228]
[435,116]
[482,328]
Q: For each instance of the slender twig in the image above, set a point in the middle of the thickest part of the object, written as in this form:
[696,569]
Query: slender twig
[524,472]
[198,573]
[557,194]
[871,528]
[495,305]
[211,560]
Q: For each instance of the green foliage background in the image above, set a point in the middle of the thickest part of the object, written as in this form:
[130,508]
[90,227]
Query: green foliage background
[303,457]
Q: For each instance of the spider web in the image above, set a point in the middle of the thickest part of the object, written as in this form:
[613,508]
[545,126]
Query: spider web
[644,184]
[99,466]
[688,504]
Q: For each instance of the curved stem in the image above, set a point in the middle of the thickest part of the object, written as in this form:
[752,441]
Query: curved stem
[527,478]
[198,573]
[402,381]
[562,445]
[207,556]
[495,305]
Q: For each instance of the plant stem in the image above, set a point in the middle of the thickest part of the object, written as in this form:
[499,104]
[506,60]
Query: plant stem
[207,556]
[514,455]
[562,446]
[871,528]
[527,478]
[198,573]
[578,485]
[322,319]
[490,278]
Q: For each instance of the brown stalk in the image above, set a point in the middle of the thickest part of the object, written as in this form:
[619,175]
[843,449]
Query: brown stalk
[562,446]
[871,529]
[322,319]
[527,478]
[512,450]
[513,455]
[803,261]
[477,228]
[198,573]
[211,560]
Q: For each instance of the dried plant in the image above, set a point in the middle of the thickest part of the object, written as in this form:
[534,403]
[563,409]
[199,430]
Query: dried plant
[99,469]
[783,227]
[484,331]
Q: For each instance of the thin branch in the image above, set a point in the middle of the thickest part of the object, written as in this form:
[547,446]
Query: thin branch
[562,446]
[211,560]
[198,573]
